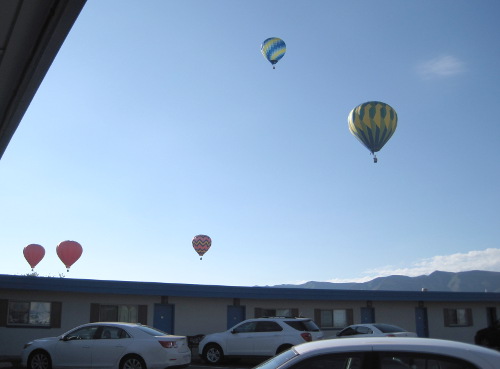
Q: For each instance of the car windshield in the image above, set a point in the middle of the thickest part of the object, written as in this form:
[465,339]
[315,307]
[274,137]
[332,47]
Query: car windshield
[152,331]
[386,328]
[279,360]
[303,325]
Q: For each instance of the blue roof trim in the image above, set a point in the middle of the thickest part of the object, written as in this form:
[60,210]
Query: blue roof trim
[195,290]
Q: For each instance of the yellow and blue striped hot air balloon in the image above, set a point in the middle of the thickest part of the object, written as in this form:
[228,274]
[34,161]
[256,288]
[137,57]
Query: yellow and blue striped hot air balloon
[273,49]
[373,124]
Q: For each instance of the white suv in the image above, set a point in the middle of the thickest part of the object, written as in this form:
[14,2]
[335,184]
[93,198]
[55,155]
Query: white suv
[258,337]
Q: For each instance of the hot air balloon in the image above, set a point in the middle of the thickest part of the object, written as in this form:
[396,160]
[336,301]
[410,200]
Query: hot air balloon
[201,244]
[33,254]
[69,252]
[373,124]
[273,49]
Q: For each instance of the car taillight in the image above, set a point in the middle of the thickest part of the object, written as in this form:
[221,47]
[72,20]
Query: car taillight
[307,337]
[168,344]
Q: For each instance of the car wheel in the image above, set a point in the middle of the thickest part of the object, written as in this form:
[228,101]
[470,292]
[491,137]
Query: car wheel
[282,348]
[213,354]
[39,360]
[132,362]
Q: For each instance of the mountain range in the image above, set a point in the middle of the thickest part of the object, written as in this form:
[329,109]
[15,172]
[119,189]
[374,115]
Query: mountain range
[471,281]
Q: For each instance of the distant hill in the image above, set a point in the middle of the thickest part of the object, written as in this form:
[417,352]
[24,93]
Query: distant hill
[472,281]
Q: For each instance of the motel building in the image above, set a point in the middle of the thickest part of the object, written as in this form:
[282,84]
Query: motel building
[36,307]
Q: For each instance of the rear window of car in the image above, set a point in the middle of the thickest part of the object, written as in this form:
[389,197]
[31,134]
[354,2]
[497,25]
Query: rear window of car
[303,325]
[387,328]
[151,331]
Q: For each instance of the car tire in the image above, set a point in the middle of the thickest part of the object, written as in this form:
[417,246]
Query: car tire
[213,354]
[39,360]
[283,348]
[132,362]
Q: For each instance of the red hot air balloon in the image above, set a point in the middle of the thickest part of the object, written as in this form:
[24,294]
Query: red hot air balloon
[33,253]
[201,244]
[69,252]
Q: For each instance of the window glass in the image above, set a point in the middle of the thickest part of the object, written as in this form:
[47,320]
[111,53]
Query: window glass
[339,318]
[152,331]
[303,325]
[29,313]
[421,361]
[363,330]
[119,313]
[113,333]
[326,318]
[458,317]
[387,328]
[338,361]
[268,327]
[85,333]
[246,327]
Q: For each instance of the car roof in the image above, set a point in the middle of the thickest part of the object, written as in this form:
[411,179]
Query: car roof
[407,344]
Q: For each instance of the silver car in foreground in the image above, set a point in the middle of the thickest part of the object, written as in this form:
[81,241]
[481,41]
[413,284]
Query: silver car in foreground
[385,353]
[108,345]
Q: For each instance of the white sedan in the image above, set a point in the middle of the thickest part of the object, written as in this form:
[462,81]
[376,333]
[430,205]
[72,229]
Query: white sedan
[108,345]
[375,330]
[385,353]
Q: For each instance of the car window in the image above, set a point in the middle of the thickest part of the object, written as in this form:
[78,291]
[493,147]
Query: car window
[268,327]
[85,333]
[113,333]
[349,331]
[337,361]
[363,330]
[303,325]
[421,361]
[151,331]
[387,328]
[246,327]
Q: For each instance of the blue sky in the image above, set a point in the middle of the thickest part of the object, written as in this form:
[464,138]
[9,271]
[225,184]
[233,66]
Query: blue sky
[161,120]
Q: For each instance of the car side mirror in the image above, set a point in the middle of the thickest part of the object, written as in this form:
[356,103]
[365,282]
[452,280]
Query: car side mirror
[69,338]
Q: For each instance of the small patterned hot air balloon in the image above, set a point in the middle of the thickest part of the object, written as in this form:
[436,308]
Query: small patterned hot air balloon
[33,254]
[69,252]
[373,124]
[273,49]
[201,244]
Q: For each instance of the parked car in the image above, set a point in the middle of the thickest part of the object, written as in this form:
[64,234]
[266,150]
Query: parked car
[489,337]
[258,337]
[108,345]
[385,353]
[374,330]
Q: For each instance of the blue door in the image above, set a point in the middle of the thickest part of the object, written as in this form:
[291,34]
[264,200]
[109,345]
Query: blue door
[164,318]
[235,314]
[421,322]
[367,315]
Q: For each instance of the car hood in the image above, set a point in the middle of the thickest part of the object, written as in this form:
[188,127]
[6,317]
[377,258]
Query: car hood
[46,339]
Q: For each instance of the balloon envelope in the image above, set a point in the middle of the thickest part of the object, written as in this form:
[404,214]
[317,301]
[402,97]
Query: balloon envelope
[273,49]
[201,244]
[33,254]
[373,123]
[69,252]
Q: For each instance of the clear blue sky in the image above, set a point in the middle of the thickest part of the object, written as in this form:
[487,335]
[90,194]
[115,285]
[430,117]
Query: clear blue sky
[161,120]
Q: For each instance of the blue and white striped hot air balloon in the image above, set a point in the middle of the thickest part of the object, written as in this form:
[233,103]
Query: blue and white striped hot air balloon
[273,49]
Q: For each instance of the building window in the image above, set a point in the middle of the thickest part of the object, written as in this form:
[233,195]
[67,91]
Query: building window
[30,314]
[333,318]
[458,317]
[118,313]
[284,312]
